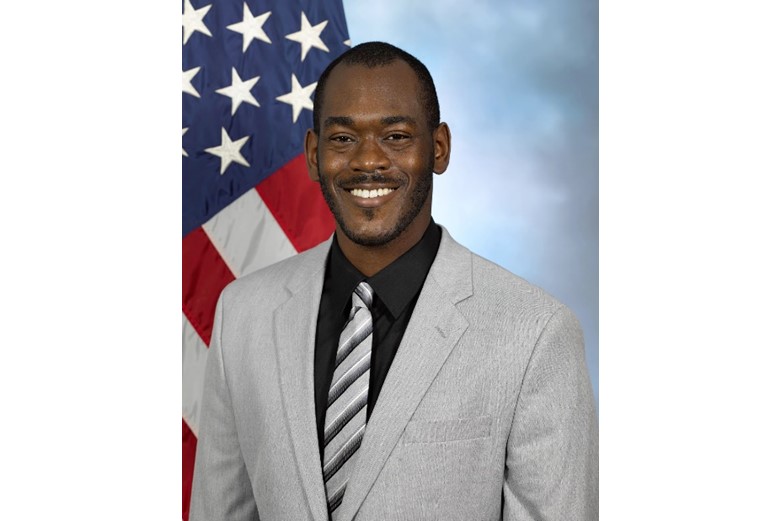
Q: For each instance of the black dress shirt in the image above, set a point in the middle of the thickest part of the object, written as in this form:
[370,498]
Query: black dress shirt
[396,289]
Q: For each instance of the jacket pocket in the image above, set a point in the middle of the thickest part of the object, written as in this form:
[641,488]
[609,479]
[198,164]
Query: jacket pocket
[434,431]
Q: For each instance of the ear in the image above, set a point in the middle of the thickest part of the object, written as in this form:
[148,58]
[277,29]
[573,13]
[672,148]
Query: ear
[310,151]
[441,148]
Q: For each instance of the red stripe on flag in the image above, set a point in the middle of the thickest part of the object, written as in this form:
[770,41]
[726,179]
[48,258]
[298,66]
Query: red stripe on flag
[204,275]
[298,206]
[189,443]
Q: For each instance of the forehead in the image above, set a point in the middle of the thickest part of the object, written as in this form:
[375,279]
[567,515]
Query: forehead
[357,90]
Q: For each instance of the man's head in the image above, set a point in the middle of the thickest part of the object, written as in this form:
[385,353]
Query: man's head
[376,142]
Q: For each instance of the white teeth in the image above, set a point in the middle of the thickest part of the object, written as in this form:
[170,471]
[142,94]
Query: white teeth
[371,194]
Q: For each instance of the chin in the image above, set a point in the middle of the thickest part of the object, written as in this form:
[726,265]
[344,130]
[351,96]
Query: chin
[370,236]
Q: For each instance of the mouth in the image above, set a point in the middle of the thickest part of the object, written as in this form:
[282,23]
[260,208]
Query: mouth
[370,190]
[364,193]
[370,195]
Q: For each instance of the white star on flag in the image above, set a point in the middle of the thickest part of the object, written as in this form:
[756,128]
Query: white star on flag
[251,27]
[183,132]
[239,91]
[308,36]
[229,151]
[192,20]
[299,97]
[187,81]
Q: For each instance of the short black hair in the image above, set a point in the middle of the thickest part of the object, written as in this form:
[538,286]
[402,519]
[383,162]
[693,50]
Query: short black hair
[380,54]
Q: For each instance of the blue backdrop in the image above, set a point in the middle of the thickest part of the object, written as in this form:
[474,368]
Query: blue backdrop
[518,85]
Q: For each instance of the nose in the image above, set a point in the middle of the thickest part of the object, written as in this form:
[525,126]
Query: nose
[369,156]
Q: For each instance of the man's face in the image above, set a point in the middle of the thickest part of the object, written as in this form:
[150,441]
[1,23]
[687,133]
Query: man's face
[375,153]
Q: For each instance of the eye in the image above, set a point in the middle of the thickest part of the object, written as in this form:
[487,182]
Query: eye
[397,136]
[341,139]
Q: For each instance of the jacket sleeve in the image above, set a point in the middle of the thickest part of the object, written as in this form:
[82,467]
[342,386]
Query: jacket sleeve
[221,485]
[552,451]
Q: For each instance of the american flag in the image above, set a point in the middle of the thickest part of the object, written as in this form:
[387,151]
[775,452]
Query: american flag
[249,69]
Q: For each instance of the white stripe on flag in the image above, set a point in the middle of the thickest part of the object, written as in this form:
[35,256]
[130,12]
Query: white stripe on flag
[194,353]
[247,235]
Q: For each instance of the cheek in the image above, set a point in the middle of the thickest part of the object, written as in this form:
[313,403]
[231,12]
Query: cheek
[415,170]
[415,160]
[331,164]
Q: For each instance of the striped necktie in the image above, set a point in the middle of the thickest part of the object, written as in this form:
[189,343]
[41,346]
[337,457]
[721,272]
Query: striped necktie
[345,417]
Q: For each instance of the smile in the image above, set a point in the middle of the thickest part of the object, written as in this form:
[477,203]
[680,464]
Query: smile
[371,194]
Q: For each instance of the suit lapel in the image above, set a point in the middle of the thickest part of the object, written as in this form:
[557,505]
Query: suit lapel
[295,322]
[434,329]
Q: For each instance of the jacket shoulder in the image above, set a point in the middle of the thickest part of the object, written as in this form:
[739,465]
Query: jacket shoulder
[467,274]
[491,281]
[271,281]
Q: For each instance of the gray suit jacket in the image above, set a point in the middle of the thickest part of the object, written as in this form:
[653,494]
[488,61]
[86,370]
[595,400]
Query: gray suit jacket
[486,413]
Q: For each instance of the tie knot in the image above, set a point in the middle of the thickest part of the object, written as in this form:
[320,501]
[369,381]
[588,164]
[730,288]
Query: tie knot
[364,294]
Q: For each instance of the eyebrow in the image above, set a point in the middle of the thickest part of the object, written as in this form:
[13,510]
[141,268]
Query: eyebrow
[332,121]
[346,121]
[392,120]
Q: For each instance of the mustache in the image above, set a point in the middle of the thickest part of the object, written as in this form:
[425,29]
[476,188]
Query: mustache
[372,177]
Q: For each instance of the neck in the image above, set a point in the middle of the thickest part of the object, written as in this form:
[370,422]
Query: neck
[370,260]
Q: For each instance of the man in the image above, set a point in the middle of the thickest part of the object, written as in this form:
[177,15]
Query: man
[391,373]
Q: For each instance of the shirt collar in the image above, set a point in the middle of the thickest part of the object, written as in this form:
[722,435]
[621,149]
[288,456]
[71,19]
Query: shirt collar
[398,283]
